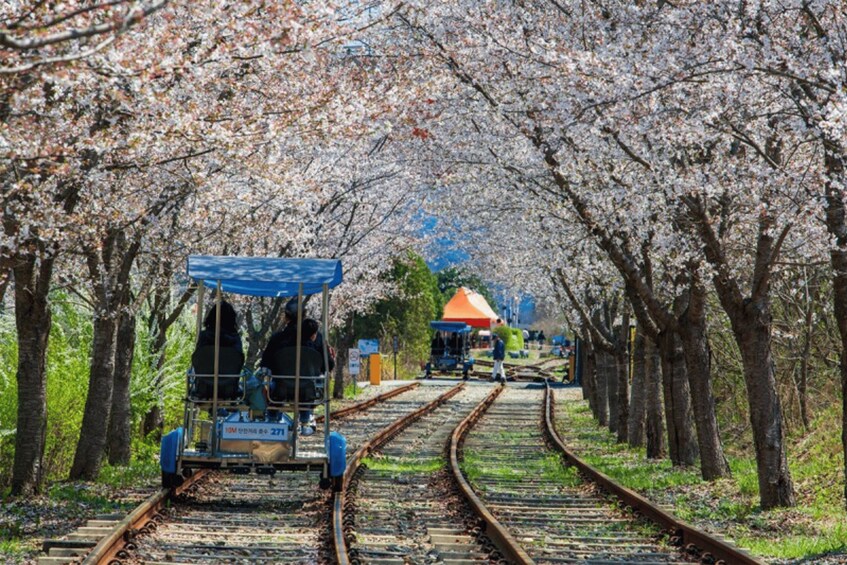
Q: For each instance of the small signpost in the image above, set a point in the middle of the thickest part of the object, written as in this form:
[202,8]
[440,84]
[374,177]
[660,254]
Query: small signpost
[353,361]
[368,346]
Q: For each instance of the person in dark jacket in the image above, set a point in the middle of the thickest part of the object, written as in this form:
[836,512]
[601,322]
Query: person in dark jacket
[229,328]
[310,337]
[229,338]
[498,373]
[436,346]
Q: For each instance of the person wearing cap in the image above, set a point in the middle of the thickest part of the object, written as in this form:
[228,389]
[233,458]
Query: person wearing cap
[498,373]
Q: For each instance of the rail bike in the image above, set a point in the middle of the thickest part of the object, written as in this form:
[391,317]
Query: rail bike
[450,349]
[244,421]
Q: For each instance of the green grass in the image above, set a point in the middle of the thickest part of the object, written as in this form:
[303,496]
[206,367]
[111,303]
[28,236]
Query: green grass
[12,549]
[798,546]
[91,501]
[133,475]
[548,468]
[402,465]
[815,527]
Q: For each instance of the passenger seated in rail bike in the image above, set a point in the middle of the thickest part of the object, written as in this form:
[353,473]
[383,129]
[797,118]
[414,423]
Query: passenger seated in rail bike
[455,344]
[230,357]
[280,358]
[436,346]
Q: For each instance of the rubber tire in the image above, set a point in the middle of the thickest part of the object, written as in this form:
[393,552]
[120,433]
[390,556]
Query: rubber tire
[172,480]
[325,483]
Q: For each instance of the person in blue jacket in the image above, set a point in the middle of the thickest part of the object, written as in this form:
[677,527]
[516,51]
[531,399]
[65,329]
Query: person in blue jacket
[498,373]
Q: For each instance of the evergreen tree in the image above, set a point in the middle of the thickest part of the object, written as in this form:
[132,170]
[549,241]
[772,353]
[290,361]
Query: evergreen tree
[407,313]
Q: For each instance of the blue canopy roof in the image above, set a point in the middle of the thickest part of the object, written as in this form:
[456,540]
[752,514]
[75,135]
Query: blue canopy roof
[265,276]
[460,327]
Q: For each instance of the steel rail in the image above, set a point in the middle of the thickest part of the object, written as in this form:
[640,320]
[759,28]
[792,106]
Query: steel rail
[495,531]
[339,541]
[341,412]
[111,547]
[710,549]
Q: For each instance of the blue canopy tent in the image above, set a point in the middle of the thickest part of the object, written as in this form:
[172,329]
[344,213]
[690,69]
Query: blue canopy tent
[265,276]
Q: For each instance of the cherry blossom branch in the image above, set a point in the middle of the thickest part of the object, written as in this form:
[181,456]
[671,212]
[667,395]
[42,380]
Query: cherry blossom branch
[134,15]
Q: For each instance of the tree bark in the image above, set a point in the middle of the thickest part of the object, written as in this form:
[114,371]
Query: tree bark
[119,441]
[698,365]
[678,416]
[604,395]
[655,429]
[637,404]
[622,385]
[98,402]
[589,376]
[109,269]
[750,317]
[754,337]
[33,318]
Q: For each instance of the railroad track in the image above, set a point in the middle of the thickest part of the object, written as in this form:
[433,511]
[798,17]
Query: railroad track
[249,519]
[402,506]
[550,514]
[536,372]
[538,511]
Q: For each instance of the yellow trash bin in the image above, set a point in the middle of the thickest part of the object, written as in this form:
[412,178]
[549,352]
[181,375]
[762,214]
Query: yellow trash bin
[375,368]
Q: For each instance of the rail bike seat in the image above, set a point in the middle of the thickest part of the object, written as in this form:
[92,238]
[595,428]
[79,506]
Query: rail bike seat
[230,363]
[284,368]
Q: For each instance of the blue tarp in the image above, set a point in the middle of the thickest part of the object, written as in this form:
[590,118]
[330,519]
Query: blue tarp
[460,327]
[265,276]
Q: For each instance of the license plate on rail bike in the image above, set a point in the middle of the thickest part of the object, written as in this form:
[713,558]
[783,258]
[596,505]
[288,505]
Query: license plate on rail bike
[259,431]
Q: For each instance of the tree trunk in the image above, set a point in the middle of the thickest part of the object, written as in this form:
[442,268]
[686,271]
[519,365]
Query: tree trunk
[589,376]
[637,408]
[33,318]
[678,416]
[622,386]
[98,402]
[153,421]
[656,447]
[754,340]
[120,429]
[602,389]
[610,376]
[750,317]
[109,269]
[713,463]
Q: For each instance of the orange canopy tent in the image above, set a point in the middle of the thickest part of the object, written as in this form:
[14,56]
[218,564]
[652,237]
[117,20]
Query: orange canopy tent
[469,307]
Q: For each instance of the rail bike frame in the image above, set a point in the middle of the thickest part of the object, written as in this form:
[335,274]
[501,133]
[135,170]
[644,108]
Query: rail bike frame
[227,434]
[448,361]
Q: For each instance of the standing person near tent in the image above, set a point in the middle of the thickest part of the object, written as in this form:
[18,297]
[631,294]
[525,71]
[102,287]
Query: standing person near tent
[498,373]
